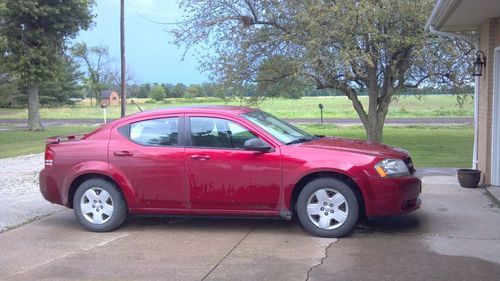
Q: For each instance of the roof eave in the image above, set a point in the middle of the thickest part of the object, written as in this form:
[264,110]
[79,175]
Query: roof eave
[441,12]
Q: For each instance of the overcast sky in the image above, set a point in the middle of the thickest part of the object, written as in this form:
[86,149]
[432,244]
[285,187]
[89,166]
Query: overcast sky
[149,51]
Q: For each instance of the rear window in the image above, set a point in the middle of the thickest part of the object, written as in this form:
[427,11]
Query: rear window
[156,132]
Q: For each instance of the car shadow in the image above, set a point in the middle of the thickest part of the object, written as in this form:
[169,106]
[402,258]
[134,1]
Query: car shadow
[403,224]
[213,224]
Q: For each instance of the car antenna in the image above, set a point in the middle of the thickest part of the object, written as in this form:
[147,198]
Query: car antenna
[132,101]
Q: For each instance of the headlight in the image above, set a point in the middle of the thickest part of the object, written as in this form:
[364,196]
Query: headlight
[392,168]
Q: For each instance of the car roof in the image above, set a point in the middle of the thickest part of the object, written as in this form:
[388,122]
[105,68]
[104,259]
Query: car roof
[224,109]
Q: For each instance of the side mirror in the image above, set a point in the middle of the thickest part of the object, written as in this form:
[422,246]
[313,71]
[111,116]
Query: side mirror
[256,144]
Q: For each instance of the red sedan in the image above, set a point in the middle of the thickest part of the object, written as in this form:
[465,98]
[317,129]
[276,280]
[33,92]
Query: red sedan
[225,161]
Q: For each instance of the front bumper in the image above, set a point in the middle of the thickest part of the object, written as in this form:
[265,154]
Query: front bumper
[392,196]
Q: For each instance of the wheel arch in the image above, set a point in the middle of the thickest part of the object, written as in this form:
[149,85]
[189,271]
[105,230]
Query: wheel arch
[327,174]
[84,177]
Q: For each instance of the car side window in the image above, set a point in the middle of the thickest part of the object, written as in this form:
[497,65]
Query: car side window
[216,132]
[156,132]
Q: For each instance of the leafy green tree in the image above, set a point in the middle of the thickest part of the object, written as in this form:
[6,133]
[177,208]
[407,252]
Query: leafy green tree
[36,32]
[95,59]
[167,87]
[157,93]
[61,88]
[277,77]
[193,91]
[214,90]
[144,90]
[178,91]
[64,86]
[379,47]
[9,90]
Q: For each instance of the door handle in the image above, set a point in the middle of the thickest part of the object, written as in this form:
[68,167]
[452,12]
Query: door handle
[199,157]
[123,153]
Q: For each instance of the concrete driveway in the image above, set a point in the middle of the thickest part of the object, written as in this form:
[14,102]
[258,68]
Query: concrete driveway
[454,236]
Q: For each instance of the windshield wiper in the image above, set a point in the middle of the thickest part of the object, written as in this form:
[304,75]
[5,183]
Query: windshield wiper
[301,140]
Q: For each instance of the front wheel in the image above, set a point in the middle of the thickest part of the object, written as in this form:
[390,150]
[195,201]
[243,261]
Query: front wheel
[328,207]
[99,206]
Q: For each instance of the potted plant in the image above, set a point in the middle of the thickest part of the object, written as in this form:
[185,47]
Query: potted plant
[469,177]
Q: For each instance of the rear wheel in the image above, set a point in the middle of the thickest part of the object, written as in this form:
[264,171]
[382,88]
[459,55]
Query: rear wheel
[99,206]
[328,207]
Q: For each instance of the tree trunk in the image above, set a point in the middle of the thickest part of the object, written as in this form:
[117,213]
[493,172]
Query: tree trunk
[34,123]
[373,119]
[374,131]
[375,128]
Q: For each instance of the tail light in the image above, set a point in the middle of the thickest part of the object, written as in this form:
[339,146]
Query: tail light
[49,156]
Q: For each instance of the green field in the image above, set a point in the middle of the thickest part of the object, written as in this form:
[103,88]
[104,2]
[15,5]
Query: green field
[429,146]
[307,107]
[20,142]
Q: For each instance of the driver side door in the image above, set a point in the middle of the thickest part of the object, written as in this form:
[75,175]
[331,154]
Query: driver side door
[221,175]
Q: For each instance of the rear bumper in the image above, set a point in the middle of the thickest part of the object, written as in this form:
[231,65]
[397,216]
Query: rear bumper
[392,196]
[48,188]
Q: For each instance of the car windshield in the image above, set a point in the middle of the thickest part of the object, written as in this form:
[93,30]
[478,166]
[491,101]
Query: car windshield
[279,129]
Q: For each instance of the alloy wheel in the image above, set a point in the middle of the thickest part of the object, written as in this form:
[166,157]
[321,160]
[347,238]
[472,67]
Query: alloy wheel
[96,205]
[327,208]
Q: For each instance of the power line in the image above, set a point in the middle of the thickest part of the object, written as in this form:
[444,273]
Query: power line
[155,21]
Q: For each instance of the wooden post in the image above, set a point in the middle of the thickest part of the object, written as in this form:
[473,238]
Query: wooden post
[122,50]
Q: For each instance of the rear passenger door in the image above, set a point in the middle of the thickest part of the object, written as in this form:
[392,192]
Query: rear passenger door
[149,154]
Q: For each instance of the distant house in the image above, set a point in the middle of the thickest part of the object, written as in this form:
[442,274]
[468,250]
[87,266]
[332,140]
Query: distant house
[110,98]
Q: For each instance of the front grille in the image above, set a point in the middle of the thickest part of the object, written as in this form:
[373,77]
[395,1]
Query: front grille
[409,165]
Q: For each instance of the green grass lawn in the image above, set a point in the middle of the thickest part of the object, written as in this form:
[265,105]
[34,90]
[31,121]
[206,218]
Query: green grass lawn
[429,146]
[307,107]
[20,142]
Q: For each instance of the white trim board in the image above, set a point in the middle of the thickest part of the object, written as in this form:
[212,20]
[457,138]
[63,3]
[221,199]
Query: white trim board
[495,134]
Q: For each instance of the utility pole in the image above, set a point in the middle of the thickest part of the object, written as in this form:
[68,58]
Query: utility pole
[122,51]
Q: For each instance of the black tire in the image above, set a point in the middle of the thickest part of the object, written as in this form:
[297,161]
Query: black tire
[115,199]
[349,208]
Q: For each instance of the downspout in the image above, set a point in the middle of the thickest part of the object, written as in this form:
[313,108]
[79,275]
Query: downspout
[475,40]
[476,117]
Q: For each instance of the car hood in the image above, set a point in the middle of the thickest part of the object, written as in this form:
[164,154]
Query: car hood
[357,146]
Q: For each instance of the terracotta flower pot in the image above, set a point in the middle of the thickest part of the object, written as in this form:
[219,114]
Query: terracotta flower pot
[469,178]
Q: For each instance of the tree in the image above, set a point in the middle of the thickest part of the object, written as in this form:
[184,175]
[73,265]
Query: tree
[375,46]
[277,77]
[144,90]
[193,91]
[214,90]
[178,91]
[64,86]
[36,32]
[95,60]
[167,87]
[157,93]
[114,76]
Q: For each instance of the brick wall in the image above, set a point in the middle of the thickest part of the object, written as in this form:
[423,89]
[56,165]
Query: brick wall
[489,39]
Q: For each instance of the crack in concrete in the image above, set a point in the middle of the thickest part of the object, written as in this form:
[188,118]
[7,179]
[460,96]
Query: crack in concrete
[34,219]
[321,261]
[229,253]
